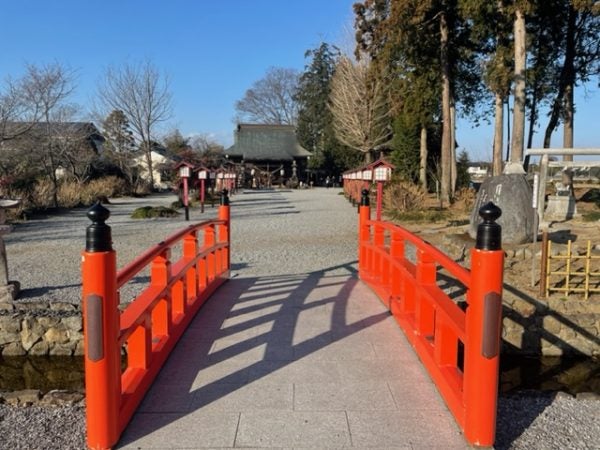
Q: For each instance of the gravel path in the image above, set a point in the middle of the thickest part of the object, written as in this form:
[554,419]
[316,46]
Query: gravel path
[44,255]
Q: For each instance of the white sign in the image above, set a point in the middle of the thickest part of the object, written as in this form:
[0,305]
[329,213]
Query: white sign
[184,172]
[382,173]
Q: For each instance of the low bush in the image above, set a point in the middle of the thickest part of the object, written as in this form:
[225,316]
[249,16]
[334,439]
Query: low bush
[421,216]
[592,216]
[151,212]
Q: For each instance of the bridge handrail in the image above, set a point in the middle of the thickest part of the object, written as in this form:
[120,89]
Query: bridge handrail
[459,272]
[459,347]
[138,264]
[150,326]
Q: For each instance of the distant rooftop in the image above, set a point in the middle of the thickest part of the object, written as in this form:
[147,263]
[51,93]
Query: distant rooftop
[262,142]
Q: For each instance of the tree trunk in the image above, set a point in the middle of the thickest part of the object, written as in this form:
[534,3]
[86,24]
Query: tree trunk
[446,187]
[423,162]
[368,157]
[518,135]
[568,118]
[148,153]
[567,77]
[532,116]
[453,169]
[568,103]
[498,135]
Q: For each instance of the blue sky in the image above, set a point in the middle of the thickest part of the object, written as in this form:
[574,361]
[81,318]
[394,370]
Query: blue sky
[212,51]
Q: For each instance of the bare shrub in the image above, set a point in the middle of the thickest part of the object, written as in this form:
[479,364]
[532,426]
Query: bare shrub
[43,194]
[69,194]
[464,199]
[404,196]
[103,187]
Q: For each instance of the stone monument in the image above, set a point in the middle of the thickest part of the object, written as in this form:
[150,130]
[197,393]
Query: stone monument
[561,205]
[512,194]
[9,290]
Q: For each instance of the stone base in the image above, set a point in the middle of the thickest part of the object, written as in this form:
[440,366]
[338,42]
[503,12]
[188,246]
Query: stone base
[560,207]
[9,292]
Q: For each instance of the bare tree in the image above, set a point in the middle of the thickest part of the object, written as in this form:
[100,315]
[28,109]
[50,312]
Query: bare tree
[32,98]
[30,108]
[49,87]
[358,105]
[142,93]
[211,152]
[271,99]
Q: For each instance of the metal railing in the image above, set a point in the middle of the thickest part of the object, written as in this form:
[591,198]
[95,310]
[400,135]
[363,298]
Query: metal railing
[460,348]
[150,326]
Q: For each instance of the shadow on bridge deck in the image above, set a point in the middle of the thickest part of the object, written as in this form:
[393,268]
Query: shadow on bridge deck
[310,360]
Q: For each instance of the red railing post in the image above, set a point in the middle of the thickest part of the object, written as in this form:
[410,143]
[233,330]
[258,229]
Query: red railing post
[426,275]
[397,255]
[483,331]
[101,332]
[364,232]
[160,275]
[211,258]
[187,291]
[224,230]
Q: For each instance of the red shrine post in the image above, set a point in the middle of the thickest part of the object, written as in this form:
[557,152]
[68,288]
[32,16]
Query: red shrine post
[381,172]
[202,176]
[185,172]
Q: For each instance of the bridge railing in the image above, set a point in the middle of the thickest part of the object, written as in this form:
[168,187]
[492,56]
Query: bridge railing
[149,327]
[459,346]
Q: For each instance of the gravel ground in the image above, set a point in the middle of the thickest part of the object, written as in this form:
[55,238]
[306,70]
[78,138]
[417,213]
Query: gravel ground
[44,255]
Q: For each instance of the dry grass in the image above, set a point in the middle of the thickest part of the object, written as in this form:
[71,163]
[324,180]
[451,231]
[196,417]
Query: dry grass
[69,194]
[403,197]
[464,199]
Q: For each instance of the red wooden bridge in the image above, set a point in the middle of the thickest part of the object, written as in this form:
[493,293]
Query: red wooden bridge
[316,361]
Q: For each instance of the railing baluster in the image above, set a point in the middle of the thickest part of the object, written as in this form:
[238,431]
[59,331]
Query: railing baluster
[160,275]
[190,249]
[426,276]
[139,345]
[209,242]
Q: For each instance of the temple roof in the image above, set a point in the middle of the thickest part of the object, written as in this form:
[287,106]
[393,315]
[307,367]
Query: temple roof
[255,142]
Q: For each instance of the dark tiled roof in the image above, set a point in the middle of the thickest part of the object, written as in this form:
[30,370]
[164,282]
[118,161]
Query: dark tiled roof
[82,128]
[254,142]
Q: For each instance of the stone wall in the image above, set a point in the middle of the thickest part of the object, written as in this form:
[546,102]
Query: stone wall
[533,325]
[41,329]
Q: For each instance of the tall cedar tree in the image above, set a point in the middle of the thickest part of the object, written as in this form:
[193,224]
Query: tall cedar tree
[491,33]
[432,42]
[580,45]
[315,121]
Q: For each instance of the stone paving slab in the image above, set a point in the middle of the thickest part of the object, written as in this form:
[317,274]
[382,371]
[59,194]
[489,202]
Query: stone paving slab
[308,360]
[307,386]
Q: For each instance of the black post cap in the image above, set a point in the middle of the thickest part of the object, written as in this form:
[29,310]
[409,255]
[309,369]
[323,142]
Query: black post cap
[224,198]
[364,198]
[489,233]
[98,235]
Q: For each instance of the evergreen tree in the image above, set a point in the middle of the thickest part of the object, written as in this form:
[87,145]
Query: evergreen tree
[117,132]
[176,144]
[315,122]
[119,146]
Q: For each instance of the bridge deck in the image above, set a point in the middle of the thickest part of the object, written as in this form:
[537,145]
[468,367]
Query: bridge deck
[304,360]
